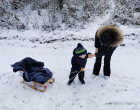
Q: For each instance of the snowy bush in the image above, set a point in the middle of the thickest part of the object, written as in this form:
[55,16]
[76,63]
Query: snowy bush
[126,12]
[49,15]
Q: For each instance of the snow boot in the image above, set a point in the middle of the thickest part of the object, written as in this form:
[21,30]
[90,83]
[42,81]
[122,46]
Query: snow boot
[106,77]
[82,82]
[68,83]
[93,76]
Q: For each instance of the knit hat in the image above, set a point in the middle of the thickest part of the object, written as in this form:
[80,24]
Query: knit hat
[80,50]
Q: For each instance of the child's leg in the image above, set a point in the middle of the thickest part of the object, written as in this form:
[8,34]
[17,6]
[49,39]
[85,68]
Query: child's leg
[72,76]
[81,76]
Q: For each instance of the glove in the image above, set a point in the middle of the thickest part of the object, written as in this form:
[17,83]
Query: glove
[82,69]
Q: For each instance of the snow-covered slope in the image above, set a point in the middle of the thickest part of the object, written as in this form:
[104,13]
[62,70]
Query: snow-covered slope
[120,92]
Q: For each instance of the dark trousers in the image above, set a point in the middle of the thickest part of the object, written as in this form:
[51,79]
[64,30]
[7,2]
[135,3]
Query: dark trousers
[73,74]
[106,69]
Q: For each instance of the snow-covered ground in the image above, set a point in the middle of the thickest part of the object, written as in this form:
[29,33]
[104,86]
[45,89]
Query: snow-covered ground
[120,92]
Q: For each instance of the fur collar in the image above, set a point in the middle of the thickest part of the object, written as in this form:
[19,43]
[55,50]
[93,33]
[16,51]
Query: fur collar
[114,29]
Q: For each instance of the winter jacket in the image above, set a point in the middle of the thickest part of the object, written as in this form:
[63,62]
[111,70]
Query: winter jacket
[77,62]
[117,39]
[33,70]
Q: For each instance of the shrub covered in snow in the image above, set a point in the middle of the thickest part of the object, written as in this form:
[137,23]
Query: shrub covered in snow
[49,15]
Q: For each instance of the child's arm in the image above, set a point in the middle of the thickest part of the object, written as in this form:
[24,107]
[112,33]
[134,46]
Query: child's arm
[91,55]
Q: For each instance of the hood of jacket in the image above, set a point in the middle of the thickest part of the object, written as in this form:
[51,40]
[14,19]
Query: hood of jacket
[117,38]
[74,53]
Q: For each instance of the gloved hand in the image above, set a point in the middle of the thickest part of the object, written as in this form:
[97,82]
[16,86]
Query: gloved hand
[82,69]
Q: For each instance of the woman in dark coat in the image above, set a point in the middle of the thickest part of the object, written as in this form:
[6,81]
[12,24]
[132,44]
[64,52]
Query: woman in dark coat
[107,39]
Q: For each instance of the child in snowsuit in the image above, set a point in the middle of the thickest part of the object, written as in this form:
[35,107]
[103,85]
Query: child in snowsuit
[78,62]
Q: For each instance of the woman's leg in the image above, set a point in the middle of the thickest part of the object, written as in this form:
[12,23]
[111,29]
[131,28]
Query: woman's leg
[97,66]
[107,59]
[107,70]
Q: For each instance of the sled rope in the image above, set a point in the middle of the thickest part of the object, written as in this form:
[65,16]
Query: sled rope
[75,75]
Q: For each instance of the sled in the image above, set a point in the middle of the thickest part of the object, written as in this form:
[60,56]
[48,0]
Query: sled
[51,81]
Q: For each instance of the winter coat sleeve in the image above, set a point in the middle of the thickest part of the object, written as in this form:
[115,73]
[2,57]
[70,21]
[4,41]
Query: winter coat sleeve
[97,43]
[80,63]
[102,53]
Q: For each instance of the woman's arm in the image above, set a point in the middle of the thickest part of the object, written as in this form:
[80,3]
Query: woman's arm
[102,53]
[97,43]
[96,50]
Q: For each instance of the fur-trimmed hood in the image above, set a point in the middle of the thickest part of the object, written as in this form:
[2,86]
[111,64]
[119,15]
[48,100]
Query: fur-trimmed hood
[112,29]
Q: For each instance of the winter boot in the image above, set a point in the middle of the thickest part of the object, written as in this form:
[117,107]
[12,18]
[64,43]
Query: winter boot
[93,76]
[106,77]
[68,83]
[82,82]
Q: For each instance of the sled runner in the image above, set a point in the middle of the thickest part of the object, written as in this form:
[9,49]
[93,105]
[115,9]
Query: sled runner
[51,81]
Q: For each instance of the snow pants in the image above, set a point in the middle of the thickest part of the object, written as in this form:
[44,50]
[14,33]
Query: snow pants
[73,74]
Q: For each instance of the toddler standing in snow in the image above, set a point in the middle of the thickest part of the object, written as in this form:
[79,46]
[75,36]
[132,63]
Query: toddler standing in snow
[78,62]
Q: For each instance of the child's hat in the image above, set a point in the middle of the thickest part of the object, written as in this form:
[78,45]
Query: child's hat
[80,50]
